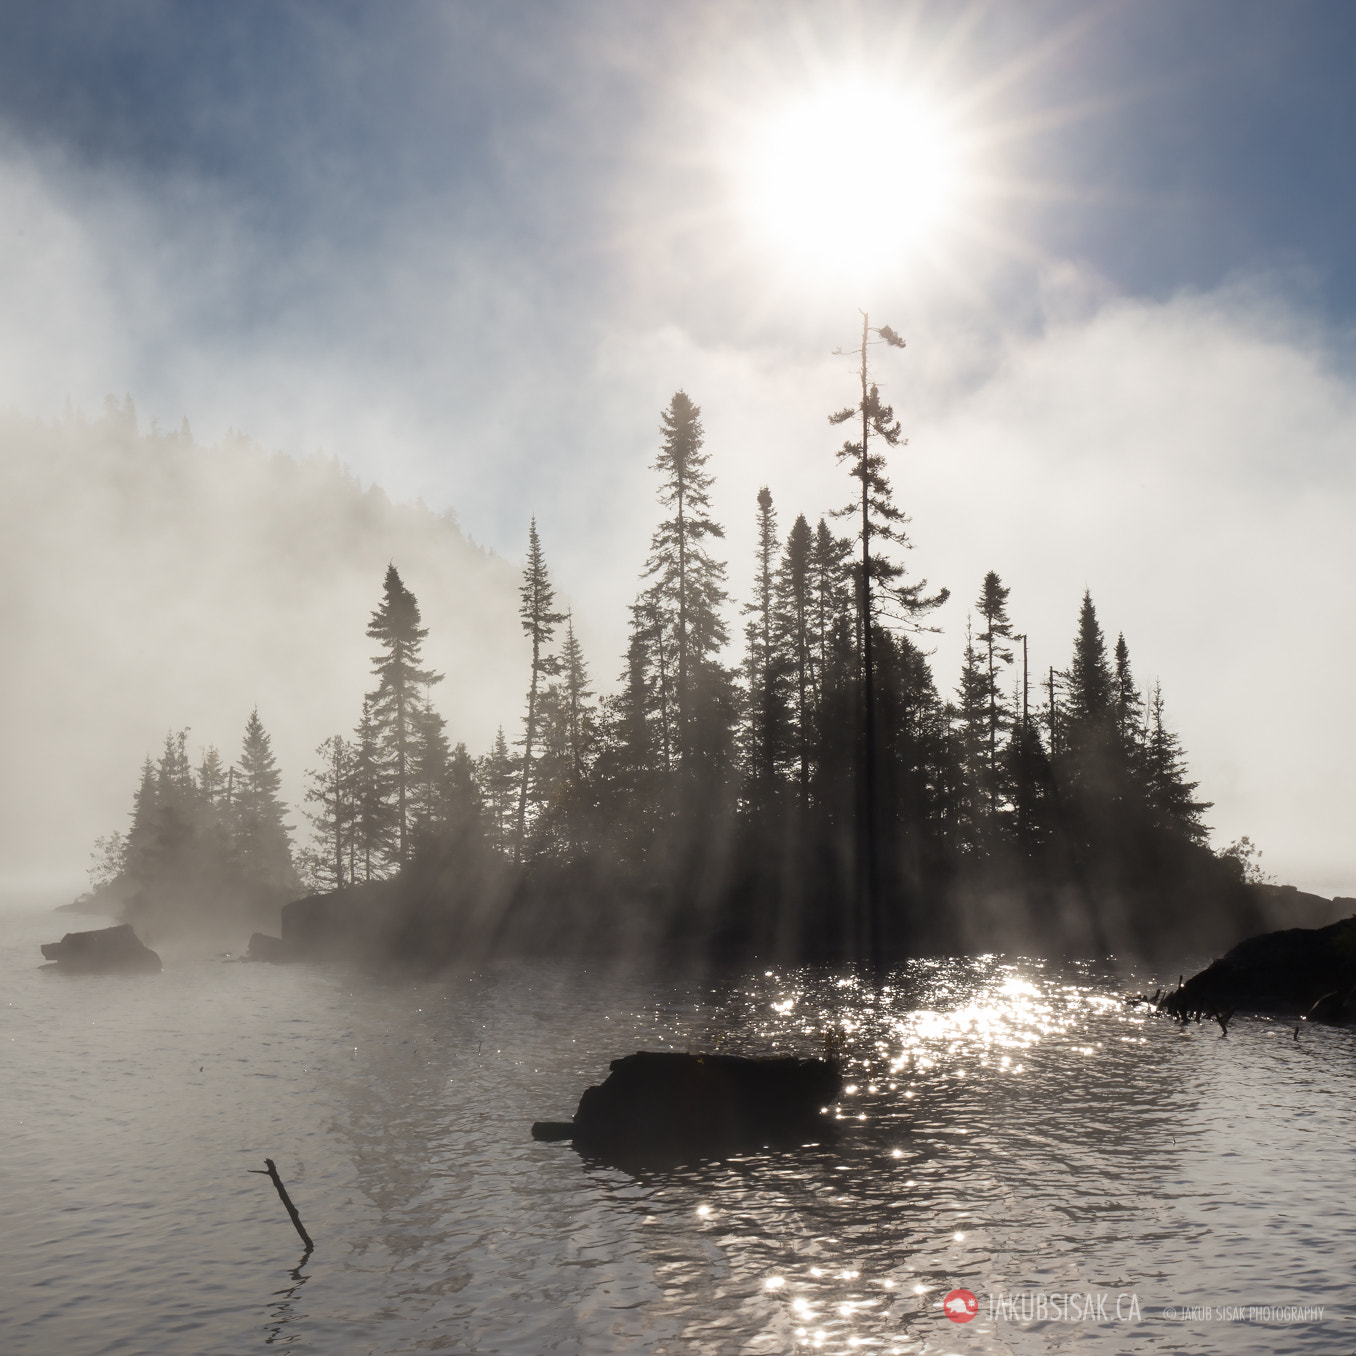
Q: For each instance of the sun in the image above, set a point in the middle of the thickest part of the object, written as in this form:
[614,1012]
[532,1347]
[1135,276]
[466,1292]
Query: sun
[857,179]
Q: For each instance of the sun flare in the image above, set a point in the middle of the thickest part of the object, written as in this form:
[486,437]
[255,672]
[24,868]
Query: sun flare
[855,179]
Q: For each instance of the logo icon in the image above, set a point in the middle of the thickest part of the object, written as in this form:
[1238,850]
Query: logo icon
[960,1306]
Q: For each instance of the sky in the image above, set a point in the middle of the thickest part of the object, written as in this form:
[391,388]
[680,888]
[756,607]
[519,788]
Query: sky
[470,251]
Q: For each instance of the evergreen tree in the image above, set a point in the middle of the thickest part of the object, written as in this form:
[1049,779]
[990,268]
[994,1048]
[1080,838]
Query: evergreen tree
[1129,705]
[498,775]
[832,593]
[795,623]
[138,855]
[765,666]
[211,776]
[1089,690]
[330,790]
[690,587]
[992,606]
[262,845]
[396,703]
[539,623]
[372,842]
[1172,798]
[971,803]
[878,577]
[429,785]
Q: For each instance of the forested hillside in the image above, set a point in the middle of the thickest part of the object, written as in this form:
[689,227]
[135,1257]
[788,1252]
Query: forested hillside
[154,584]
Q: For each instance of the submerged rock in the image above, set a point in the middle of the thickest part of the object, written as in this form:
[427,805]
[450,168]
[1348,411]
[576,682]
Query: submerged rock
[262,947]
[1299,970]
[116,950]
[664,1106]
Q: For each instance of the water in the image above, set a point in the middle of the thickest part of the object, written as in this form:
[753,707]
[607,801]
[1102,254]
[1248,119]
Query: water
[1013,1129]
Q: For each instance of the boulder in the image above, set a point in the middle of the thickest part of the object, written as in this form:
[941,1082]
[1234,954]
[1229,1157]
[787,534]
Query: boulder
[116,950]
[665,1107]
[262,947]
[1289,971]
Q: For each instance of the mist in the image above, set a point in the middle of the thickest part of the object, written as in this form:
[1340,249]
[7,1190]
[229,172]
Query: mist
[160,585]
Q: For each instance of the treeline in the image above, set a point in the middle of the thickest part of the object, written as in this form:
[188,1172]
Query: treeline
[816,796]
[206,845]
[726,802]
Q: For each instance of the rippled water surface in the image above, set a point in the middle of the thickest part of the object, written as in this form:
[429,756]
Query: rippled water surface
[1011,1129]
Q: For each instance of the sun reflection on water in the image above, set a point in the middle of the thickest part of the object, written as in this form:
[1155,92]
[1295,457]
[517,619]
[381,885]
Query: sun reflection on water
[947,1068]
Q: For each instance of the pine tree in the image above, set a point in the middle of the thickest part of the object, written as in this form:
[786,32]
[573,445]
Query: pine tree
[795,606]
[397,700]
[211,776]
[371,843]
[1129,706]
[971,802]
[262,845]
[992,606]
[498,775]
[539,623]
[429,771]
[1171,796]
[833,599]
[138,855]
[689,582]
[765,665]
[330,790]
[878,576]
[1089,689]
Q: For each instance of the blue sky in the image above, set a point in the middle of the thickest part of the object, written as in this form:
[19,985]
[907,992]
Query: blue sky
[471,249]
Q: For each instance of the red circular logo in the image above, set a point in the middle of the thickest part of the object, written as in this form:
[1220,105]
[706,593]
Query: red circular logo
[960,1306]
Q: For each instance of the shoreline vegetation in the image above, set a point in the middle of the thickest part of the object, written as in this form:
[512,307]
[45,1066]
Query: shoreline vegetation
[813,795]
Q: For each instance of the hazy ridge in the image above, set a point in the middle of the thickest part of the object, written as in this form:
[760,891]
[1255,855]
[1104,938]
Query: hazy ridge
[153,583]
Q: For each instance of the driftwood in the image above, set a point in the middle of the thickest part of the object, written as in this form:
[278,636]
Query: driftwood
[271,1170]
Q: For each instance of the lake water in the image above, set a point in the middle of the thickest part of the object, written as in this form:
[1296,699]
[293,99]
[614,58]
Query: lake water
[1013,1130]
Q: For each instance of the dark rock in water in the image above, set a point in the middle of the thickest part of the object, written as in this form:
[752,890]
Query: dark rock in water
[658,1107]
[351,924]
[273,949]
[105,951]
[1309,970]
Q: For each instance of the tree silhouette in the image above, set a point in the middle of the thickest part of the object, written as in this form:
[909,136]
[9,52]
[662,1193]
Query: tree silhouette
[539,623]
[397,699]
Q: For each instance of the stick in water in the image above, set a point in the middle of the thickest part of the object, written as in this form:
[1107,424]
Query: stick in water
[272,1171]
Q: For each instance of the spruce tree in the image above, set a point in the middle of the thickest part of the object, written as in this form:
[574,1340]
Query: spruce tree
[1089,688]
[372,841]
[690,588]
[138,855]
[971,803]
[1129,706]
[429,771]
[211,776]
[765,664]
[992,606]
[330,790]
[1172,798]
[878,577]
[263,849]
[397,699]
[497,773]
[795,607]
[539,622]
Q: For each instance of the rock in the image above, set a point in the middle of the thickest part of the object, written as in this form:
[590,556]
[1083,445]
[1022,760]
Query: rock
[116,950]
[273,949]
[666,1107]
[1289,971]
